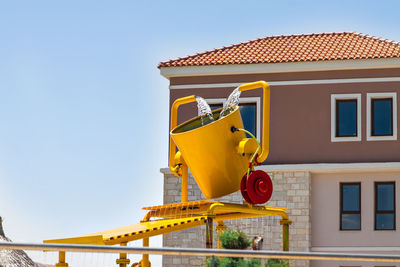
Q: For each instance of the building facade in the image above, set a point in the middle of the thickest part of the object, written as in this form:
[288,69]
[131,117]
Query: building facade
[334,149]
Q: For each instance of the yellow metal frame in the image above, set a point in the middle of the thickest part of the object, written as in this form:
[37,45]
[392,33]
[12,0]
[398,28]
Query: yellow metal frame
[266,114]
[173,165]
[169,218]
[177,164]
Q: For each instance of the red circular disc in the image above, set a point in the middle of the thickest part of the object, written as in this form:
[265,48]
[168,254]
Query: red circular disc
[243,189]
[259,187]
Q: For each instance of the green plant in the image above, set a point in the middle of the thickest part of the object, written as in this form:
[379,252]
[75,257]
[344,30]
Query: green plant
[233,239]
[237,239]
[277,263]
[233,262]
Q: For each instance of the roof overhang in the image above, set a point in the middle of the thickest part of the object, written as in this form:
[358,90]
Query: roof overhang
[170,72]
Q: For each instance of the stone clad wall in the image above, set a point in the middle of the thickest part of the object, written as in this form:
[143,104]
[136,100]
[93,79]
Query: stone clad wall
[292,190]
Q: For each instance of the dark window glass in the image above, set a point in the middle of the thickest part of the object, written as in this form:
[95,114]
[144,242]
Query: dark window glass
[351,221]
[248,112]
[346,118]
[385,221]
[351,198]
[350,206]
[385,197]
[385,206]
[382,117]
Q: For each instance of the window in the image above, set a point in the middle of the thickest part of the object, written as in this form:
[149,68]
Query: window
[350,206]
[385,218]
[346,117]
[381,116]
[249,110]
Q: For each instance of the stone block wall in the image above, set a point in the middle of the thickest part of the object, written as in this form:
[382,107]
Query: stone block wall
[292,190]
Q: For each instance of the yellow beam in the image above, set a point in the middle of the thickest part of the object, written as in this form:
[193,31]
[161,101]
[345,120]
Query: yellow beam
[133,232]
[204,208]
[220,208]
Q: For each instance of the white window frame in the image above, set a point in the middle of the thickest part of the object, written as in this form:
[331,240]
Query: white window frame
[335,97]
[244,100]
[371,96]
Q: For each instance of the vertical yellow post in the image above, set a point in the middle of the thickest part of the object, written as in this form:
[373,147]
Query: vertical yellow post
[209,234]
[145,258]
[285,234]
[220,230]
[123,260]
[61,259]
[185,182]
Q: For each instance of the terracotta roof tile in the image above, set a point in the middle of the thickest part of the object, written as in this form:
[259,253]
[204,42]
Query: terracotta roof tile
[294,48]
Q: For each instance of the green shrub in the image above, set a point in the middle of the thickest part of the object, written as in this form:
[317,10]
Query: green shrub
[237,239]
[277,263]
[234,239]
[233,262]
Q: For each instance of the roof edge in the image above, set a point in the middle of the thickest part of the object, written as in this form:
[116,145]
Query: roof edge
[170,72]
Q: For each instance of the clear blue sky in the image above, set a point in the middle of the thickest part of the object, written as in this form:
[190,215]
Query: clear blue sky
[84,110]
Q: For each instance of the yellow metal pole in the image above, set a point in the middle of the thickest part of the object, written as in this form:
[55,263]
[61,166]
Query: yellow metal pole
[185,182]
[123,260]
[221,227]
[145,259]
[266,110]
[209,233]
[61,259]
[285,234]
[174,121]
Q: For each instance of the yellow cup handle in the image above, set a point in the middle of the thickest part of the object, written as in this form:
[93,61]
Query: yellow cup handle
[174,122]
[266,114]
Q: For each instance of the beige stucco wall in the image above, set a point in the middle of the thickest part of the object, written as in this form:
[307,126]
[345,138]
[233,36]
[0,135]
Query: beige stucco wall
[325,218]
[326,211]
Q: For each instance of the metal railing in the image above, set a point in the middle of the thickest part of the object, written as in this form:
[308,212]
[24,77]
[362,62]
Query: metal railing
[290,255]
